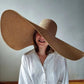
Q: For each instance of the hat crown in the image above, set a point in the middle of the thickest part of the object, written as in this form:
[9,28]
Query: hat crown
[49,25]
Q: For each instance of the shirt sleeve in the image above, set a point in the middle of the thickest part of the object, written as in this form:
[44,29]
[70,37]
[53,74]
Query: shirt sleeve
[63,79]
[65,74]
[24,77]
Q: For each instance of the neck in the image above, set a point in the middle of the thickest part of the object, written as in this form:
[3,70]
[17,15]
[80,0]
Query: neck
[42,52]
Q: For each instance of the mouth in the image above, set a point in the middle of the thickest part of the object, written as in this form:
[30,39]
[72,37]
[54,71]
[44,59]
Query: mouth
[41,41]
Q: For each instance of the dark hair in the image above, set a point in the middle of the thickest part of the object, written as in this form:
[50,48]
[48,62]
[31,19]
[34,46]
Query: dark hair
[48,49]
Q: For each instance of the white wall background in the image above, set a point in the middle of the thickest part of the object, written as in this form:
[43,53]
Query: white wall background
[69,16]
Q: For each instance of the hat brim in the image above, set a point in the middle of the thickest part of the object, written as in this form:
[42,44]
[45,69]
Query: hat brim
[17,32]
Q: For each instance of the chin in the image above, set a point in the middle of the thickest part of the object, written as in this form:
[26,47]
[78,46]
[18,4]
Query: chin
[43,46]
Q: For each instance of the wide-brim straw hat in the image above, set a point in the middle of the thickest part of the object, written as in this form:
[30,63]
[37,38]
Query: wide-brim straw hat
[18,32]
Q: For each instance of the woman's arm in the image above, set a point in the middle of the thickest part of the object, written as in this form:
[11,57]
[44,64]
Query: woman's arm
[65,75]
[24,77]
[63,79]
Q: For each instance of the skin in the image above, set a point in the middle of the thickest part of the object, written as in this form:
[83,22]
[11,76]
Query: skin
[42,44]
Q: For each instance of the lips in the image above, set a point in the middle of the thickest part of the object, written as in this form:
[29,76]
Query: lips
[41,41]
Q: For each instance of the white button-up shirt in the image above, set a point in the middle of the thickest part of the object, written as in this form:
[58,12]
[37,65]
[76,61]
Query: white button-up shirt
[53,71]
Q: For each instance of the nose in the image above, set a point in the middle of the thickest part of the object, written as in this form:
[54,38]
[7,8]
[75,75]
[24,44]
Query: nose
[41,37]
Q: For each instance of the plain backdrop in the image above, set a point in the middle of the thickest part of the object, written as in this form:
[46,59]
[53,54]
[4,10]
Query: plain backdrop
[69,16]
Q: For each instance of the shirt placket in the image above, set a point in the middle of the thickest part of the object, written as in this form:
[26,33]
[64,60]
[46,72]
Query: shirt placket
[44,73]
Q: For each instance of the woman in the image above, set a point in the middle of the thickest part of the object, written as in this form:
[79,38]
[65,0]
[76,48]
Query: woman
[42,65]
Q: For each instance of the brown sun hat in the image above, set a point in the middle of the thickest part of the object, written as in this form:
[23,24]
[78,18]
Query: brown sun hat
[17,32]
